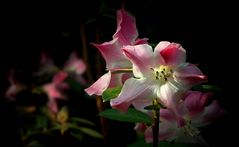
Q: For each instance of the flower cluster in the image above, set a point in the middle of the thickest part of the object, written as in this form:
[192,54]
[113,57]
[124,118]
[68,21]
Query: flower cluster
[159,74]
[46,102]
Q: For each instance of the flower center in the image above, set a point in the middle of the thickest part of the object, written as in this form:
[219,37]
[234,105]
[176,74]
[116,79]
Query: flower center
[162,73]
[190,130]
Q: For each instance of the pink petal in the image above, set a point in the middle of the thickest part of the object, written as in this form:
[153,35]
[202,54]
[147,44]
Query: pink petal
[126,28]
[171,96]
[189,75]
[52,91]
[211,112]
[173,55]
[141,41]
[132,89]
[52,105]
[100,85]
[75,64]
[47,65]
[161,46]
[167,115]
[143,100]
[60,77]
[141,56]
[140,127]
[166,130]
[113,55]
[126,76]
[196,102]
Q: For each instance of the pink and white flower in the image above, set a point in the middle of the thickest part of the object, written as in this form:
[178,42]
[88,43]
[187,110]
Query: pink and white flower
[53,90]
[162,73]
[76,67]
[126,34]
[195,112]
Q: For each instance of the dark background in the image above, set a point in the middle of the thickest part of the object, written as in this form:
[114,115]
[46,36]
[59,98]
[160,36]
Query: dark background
[208,32]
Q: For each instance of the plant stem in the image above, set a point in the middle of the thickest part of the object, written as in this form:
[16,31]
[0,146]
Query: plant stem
[155,126]
[85,50]
[103,121]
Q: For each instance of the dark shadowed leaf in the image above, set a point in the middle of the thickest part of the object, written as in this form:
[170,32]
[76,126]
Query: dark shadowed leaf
[207,88]
[132,115]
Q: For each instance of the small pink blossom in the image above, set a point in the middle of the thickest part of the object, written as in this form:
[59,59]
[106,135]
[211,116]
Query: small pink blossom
[53,90]
[76,67]
[47,65]
[14,88]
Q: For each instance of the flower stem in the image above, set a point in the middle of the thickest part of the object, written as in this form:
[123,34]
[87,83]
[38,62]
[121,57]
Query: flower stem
[103,121]
[155,124]
[85,49]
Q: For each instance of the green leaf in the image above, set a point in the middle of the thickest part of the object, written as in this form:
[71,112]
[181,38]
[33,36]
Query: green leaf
[111,93]
[78,136]
[35,143]
[154,107]
[207,88]
[41,121]
[82,120]
[132,115]
[90,132]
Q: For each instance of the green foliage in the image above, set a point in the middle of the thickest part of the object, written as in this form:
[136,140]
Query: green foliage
[90,132]
[132,115]
[111,93]
[207,88]
[82,120]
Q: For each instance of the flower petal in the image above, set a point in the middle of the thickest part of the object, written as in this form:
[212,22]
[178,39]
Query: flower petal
[126,28]
[52,91]
[170,96]
[167,115]
[166,130]
[141,41]
[74,64]
[195,102]
[52,105]
[132,89]
[143,100]
[100,85]
[140,127]
[211,112]
[59,77]
[189,75]
[112,53]
[142,58]
[173,54]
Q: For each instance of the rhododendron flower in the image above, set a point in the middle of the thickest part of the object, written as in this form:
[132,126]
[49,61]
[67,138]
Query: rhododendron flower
[53,90]
[76,67]
[162,73]
[14,88]
[194,111]
[47,65]
[126,34]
